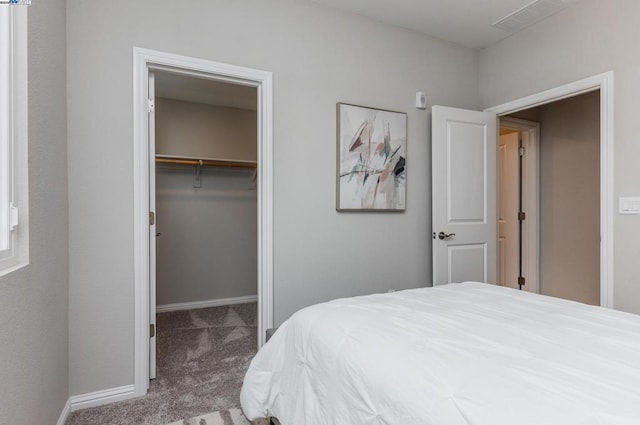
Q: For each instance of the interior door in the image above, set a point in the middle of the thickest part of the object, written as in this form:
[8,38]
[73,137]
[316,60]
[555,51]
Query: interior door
[152,227]
[464,155]
[508,224]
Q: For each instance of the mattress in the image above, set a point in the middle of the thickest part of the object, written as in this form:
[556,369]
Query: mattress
[459,354]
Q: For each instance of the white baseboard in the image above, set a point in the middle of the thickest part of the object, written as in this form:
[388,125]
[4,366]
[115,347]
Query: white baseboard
[99,398]
[64,415]
[205,304]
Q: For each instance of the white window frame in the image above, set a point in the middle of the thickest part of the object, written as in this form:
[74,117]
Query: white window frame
[14,229]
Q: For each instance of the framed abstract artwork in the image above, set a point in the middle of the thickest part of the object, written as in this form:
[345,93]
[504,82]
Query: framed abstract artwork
[372,159]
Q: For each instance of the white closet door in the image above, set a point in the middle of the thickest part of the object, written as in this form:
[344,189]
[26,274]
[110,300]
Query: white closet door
[152,227]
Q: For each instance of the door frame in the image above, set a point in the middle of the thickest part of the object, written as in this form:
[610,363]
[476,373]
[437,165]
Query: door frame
[143,61]
[604,83]
[531,200]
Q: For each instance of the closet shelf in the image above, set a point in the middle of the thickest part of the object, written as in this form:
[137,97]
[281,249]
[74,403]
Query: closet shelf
[209,162]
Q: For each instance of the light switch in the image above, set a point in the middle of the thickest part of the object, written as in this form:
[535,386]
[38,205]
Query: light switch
[630,205]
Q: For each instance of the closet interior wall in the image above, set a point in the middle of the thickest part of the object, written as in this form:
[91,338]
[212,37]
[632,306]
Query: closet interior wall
[207,243]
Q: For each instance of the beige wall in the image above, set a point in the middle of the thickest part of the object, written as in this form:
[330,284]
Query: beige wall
[196,129]
[590,37]
[569,197]
[33,300]
[318,57]
[208,244]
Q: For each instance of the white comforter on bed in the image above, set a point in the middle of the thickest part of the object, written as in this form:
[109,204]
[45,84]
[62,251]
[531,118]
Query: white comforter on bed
[469,353]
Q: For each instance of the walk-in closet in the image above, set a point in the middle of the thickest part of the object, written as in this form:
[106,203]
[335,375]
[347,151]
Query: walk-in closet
[206,235]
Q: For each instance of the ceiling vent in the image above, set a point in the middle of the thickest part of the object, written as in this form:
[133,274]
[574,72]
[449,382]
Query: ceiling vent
[530,14]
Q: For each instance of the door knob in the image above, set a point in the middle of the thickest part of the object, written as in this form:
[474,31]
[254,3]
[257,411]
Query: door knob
[442,235]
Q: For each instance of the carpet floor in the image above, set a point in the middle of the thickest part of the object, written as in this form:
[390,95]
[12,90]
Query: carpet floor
[227,417]
[202,356]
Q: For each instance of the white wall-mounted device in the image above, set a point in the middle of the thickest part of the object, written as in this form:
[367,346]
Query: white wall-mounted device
[630,205]
[421,100]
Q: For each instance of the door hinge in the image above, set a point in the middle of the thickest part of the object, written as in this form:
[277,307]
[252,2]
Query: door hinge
[151,105]
[521,151]
[13,217]
[521,280]
[152,330]
[522,216]
[152,218]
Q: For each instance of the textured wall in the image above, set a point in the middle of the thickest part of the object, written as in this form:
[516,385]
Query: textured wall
[33,300]
[318,57]
[590,37]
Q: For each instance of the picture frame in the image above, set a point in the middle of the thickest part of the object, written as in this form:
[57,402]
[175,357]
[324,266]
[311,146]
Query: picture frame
[371,159]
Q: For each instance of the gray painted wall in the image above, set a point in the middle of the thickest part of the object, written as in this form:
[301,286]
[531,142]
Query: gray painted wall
[318,57]
[33,301]
[207,249]
[591,37]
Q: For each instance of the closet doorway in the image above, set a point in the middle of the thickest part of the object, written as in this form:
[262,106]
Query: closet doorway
[187,257]
[600,86]
[204,197]
[549,191]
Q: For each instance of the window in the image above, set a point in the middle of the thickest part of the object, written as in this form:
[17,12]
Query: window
[13,138]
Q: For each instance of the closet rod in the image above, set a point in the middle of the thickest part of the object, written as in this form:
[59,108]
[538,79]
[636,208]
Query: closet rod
[211,162]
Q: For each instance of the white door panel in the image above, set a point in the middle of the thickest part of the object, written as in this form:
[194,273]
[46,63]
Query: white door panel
[466,173]
[464,195]
[473,256]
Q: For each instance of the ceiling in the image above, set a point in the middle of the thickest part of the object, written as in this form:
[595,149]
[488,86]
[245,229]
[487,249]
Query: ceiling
[464,22]
[201,90]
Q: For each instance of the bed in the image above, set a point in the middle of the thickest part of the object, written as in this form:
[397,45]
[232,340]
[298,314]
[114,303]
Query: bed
[459,354]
